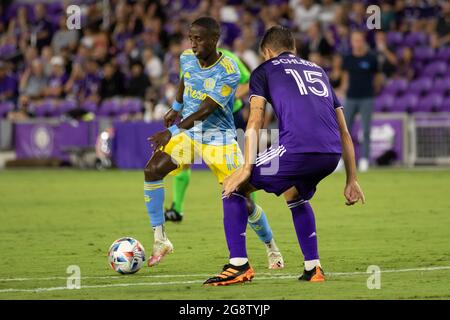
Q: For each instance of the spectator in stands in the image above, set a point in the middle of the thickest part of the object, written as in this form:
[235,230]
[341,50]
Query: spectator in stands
[139,82]
[247,55]
[442,30]
[57,79]
[336,75]
[19,27]
[387,60]
[129,55]
[74,85]
[64,38]
[33,82]
[46,57]
[388,16]
[361,82]
[112,83]
[91,83]
[316,41]
[8,85]
[327,13]
[405,67]
[153,65]
[305,12]
[41,29]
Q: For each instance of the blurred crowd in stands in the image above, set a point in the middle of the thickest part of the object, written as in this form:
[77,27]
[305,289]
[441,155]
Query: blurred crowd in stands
[124,61]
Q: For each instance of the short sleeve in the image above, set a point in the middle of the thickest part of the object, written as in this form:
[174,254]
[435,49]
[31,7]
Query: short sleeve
[258,84]
[336,102]
[224,88]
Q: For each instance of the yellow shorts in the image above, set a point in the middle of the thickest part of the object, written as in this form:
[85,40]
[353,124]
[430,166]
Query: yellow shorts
[222,160]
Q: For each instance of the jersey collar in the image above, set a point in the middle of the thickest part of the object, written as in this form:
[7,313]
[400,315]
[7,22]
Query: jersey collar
[218,60]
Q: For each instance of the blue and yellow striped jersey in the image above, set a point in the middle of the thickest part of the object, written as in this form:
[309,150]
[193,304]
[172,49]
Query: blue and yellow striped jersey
[219,82]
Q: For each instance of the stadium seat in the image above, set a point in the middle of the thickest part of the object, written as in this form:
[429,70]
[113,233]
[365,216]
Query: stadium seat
[434,69]
[414,39]
[424,53]
[384,103]
[405,103]
[131,105]
[6,107]
[68,105]
[89,106]
[396,86]
[441,85]
[110,107]
[443,54]
[430,103]
[38,108]
[446,104]
[420,86]
[394,38]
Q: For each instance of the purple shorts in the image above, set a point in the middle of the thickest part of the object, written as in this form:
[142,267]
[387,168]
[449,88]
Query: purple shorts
[302,170]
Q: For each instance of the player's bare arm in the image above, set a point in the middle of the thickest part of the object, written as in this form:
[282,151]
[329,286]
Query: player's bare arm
[255,123]
[171,115]
[352,192]
[160,139]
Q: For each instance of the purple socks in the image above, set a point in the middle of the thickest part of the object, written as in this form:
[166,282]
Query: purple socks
[235,222]
[305,227]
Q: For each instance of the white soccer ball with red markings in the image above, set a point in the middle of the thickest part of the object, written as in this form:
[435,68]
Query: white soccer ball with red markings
[126,255]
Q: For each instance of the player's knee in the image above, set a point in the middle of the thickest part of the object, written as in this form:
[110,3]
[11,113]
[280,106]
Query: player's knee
[250,205]
[151,172]
[291,194]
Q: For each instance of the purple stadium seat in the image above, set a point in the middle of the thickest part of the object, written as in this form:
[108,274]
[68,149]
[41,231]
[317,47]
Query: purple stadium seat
[421,86]
[89,106]
[443,54]
[68,105]
[384,102]
[396,86]
[437,68]
[406,102]
[54,109]
[6,107]
[109,107]
[423,53]
[131,105]
[394,38]
[414,39]
[441,85]
[38,108]
[446,104]
[430,103]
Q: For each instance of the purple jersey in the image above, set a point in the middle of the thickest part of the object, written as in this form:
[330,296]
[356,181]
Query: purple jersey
[304,103]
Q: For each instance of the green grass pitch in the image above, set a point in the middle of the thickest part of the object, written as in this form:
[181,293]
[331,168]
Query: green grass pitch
[51,219]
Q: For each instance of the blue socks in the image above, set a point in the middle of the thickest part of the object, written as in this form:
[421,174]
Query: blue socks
[258,222]
[154,200]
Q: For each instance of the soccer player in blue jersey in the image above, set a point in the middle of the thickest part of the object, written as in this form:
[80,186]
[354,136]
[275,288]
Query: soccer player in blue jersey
[313,135]
[205,99]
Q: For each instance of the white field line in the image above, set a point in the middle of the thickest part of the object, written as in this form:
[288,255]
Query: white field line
[275,274]
[265,276]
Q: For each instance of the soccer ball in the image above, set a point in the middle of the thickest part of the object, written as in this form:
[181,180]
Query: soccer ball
[126,255]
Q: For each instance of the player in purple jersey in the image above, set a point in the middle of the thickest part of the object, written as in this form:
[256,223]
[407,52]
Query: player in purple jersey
[313,134]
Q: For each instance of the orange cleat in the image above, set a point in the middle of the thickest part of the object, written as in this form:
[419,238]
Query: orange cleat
[232,274]
[314,275]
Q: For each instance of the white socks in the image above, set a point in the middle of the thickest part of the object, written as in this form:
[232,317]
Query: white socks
[238,261]
[311,264]
[159,233]
[271,246]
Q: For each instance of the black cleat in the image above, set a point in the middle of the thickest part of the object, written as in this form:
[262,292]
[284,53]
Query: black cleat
[173,215]
[232,274]
[313,275]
